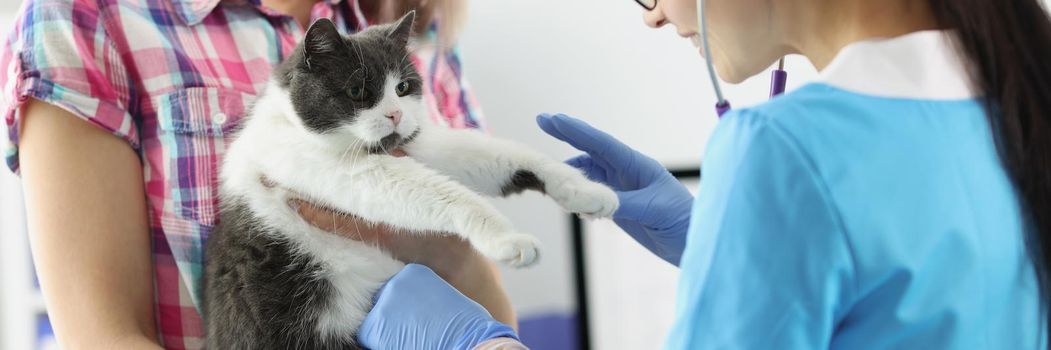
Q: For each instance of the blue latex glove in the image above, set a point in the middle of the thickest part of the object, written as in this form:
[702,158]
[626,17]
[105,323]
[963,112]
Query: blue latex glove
[654,206]
[416,309]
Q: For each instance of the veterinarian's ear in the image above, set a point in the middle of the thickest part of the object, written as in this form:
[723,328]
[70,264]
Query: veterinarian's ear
[403,30]
[322,40]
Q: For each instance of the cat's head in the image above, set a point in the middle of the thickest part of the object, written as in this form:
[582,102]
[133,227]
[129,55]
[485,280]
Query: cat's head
[360,90]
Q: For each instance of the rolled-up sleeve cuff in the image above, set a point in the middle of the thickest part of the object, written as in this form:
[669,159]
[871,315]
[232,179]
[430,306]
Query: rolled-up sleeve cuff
[501,344]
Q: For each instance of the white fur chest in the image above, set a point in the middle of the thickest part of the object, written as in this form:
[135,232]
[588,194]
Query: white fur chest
[271,146]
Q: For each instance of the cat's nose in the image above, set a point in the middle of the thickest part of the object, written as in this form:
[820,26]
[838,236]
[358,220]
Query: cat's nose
[394,116]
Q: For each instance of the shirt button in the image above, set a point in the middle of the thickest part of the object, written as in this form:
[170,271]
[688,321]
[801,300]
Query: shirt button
[219,118]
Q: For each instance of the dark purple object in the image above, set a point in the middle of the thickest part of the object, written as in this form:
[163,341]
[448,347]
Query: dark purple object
[722,107]
[777,82]
[777,86]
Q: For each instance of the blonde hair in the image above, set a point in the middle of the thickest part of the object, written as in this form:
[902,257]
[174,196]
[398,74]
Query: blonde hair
[450,15]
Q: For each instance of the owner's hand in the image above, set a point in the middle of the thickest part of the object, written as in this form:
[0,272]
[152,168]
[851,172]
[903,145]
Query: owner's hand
[416,309]
[451,257]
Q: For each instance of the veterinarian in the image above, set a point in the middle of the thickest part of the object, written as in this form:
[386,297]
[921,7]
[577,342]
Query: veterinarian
[902,201]
[117,115]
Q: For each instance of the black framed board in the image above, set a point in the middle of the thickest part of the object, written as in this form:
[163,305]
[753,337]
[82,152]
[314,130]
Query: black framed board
[624,294]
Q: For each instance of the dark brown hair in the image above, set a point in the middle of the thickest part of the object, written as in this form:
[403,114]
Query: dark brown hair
[1008,46]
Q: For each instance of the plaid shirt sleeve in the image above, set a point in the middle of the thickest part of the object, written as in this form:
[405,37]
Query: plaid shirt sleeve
[59,53]
[456,100]
[448,92]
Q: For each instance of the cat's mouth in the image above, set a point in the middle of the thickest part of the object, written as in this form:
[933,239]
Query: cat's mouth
[391,142]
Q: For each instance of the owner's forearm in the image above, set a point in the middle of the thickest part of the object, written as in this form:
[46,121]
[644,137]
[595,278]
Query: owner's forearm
[86,212]
[479,279]
[449,256]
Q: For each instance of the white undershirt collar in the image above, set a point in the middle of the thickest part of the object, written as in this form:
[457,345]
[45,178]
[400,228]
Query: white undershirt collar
[920,65]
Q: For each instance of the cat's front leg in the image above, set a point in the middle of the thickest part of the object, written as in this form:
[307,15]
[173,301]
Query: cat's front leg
[574,191]
[406,194]
[499,167]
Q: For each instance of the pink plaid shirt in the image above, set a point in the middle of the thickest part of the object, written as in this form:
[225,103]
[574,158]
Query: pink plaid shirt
[172,78]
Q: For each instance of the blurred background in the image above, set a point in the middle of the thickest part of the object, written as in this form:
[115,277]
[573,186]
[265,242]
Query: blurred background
[593,59]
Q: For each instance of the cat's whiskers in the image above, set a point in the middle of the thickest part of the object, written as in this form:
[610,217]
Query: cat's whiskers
[408,64]
[361,62]
[349,148]
[383,147]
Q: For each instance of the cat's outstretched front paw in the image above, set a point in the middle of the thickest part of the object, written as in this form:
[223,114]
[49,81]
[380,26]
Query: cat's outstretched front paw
[513,249]
[574,192]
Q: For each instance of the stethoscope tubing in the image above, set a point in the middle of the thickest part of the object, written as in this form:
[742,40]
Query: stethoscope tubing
[778,78]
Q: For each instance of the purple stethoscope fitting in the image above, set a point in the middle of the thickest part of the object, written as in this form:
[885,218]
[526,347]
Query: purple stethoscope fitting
[778,77]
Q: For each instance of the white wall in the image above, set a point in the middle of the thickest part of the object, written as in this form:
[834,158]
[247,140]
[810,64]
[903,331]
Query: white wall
[593,59]
[16,315]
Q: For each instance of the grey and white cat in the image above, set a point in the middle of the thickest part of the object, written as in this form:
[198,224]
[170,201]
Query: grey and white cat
[322,129]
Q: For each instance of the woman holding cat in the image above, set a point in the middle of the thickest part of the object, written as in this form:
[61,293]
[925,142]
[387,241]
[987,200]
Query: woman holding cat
[901,201]
[118,114]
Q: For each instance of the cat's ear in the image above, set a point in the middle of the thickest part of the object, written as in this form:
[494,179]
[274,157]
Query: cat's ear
[321,42]
[403,29]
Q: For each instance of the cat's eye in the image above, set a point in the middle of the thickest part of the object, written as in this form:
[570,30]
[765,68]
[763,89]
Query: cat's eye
[402,88]
[357,93]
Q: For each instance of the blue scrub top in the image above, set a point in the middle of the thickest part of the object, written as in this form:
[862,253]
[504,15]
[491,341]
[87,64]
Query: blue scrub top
[868,210]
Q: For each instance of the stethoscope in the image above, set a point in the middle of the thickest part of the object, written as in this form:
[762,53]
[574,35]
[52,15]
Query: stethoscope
[777,79]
